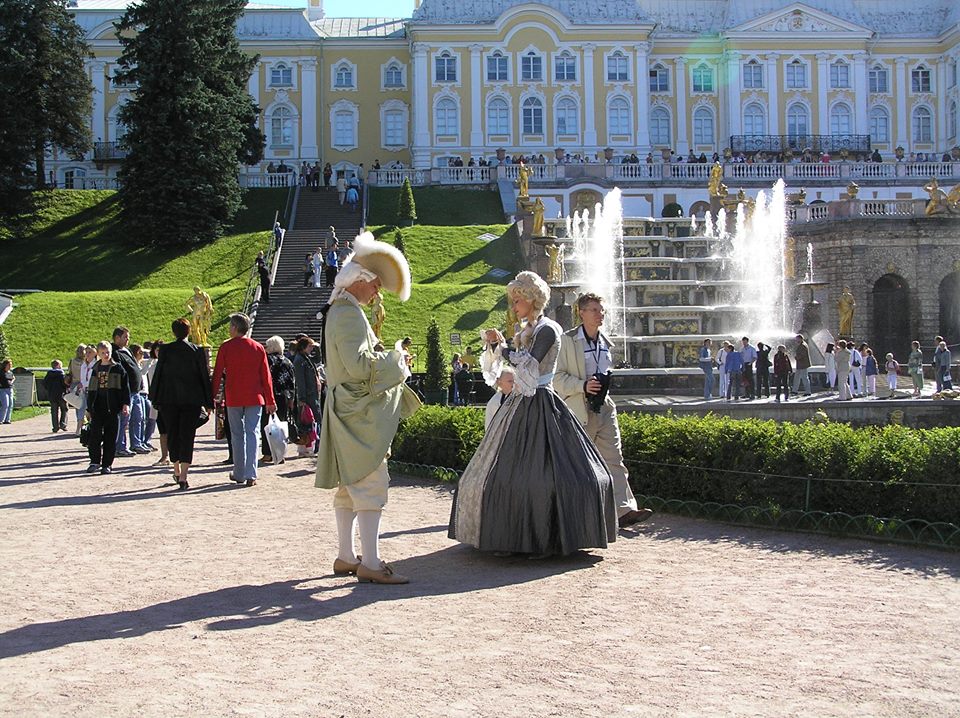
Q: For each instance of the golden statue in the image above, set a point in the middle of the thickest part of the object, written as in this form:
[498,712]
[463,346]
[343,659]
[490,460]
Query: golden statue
[797,197]
[941,202]
[510,328]
[200,307]
[716,186]
[378,314]
[790,258]
[576,313]
[523,179]
[555,268]
[845,308]
[852,189]
[538,210]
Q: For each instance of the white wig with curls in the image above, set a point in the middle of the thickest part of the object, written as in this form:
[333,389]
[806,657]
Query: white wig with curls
[531,287]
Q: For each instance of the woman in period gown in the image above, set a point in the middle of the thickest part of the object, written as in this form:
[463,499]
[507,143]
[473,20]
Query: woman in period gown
[536,483]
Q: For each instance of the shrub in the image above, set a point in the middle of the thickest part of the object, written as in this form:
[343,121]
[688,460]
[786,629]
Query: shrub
[438,436]
[406,207]
[437,376]
[4,350]
[398,242]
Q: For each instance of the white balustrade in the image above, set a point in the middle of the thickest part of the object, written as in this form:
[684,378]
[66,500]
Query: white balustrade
[812,171]
[254,180]
[637,172]
[684,171]
[395,177]
[463,175]
[873,170]
[926,170]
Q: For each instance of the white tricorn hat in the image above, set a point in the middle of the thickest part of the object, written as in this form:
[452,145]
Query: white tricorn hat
[373,257]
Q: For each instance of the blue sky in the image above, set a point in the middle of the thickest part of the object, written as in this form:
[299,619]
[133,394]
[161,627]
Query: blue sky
[353,8]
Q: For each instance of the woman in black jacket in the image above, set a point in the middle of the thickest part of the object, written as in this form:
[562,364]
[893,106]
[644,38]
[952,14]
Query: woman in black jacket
[180,388]
[108,396]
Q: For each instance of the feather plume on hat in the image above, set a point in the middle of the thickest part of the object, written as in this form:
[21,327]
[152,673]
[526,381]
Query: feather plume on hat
[385,261]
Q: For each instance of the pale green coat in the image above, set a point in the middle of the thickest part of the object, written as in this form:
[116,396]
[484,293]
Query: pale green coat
[366,398]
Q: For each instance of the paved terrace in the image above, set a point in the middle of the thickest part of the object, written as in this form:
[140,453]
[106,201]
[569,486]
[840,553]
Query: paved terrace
[125,598]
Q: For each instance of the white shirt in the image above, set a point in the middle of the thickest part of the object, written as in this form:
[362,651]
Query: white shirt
[596,355]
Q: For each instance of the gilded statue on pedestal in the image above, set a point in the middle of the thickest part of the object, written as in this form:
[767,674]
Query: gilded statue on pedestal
[378,315]
[523,180]
[200,307]
[852,189]
[941,202]
[845,308]
[716,186]
[555,268]
[538,210]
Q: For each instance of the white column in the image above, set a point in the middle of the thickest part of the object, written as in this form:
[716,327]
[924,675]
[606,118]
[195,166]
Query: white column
[476,102]
[421,110]
[589,101]
[772,80]
[99,117]
[940,91]
[253,83]
[683,146]
[308,112]
[734,126]
[902,138]
[823,80]
[860,93]
[643,97]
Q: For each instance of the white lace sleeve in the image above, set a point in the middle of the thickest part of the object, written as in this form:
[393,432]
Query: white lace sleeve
[491,362]
[526,372]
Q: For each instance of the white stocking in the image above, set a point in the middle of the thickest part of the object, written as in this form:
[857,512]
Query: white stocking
[369,524]
[346,520]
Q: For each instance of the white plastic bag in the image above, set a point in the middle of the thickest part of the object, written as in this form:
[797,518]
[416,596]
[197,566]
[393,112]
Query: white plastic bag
[277,432]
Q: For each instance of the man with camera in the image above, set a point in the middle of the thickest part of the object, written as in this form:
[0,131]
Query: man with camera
[582,379]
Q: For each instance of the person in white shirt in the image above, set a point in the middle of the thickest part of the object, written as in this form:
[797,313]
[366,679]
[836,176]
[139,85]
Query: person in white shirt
[725,349]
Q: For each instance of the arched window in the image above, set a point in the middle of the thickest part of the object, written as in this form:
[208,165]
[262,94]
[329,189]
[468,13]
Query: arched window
[567,123]
[74,178]
[393,75]
[565,67]
[281,75]
[497,67]
[703,127]
[532,116]
[394,128]
[798,121]
[922,125]
[498,117]
[659,79]
[920,79]
[796,75]
[878,79]
[281,127]
[753,75]
[445,66]
[531,67]
[618,69]
[839,75]
[344,76]
[754,120]
[841,120]
[344,129]
[879,125]
[445,116]
[703,78]
[618,119]
[660,127]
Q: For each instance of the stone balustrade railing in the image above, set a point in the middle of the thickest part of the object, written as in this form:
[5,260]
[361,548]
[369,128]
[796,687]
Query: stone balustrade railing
[734,174]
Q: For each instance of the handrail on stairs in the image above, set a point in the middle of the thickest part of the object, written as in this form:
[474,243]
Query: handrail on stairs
[251,295]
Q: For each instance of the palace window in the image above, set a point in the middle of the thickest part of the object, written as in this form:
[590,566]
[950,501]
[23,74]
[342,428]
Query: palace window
[753,75]
[564,67]
[953,73]
[839,75]
[343,129]
[703,127]
[798,121]
[394,128]
[497,68]
[922,125]
[796,75]
[754,120]
[702,78]
[617,68]
[618,117]
[952,128]
[445,67]
[498,117]
[75,178]
[879,125]
[567,117]
[344,77]
[532,116]
[920,80]
[393,75]
[281,75]
[281,127]
[531,67]
[660,127]
[659,79]
[878,79]
[841,120]
[446,119]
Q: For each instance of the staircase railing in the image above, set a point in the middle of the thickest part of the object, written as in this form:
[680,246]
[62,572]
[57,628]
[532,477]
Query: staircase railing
[364,205]
[251,295]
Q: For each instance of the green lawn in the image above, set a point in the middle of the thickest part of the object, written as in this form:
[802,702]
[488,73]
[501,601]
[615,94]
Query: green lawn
[438,206]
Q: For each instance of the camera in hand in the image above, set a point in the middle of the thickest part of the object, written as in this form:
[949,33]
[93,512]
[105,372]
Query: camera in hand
[595,401]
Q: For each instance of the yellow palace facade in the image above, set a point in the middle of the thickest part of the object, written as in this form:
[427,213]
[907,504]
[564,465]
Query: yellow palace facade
[591,82]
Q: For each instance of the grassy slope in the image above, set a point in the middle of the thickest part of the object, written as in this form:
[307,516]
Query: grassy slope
[101,281]
[438,206]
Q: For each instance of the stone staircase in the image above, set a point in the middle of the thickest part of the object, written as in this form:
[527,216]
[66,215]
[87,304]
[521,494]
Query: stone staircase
[293,308]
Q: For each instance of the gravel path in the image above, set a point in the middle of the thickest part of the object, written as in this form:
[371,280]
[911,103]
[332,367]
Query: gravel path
[125,598]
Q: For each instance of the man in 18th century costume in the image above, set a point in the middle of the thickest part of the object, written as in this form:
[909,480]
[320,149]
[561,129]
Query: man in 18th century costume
[583,363]
[366,398]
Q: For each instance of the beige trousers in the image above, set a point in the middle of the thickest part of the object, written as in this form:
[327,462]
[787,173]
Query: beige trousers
[604,431]
[367,494]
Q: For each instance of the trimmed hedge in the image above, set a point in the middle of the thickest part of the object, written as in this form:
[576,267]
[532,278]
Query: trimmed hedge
[748,462]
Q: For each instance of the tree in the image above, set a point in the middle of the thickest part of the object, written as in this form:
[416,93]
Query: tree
[406,207]
[399,243]
[190,122]
[45,94]
[4,349]
[437,376]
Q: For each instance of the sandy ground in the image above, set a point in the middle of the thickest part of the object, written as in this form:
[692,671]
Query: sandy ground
[125,598]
